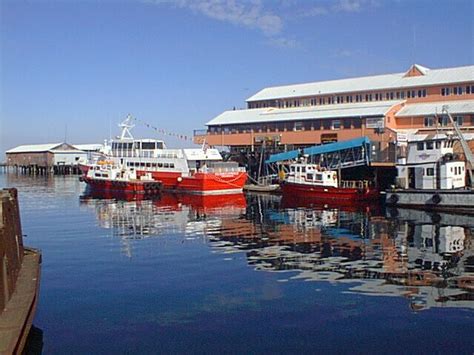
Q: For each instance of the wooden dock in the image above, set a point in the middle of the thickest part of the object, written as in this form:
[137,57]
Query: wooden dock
[19,278]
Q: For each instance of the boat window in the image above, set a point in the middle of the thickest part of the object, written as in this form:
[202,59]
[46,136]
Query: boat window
[430,171]
[172,165]
[438,144]
[319,177]
[160,165]
[159,145]
[166,165]
[142,164]
[310,176]
[148,165]
[303,169]
[429,145]
[137,145]
[420,146]
[148,145]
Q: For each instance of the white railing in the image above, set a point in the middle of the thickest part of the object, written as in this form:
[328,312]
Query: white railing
[355,184]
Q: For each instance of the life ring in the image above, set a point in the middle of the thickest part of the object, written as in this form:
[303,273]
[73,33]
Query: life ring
[393,199]
[179,179]
[436,199]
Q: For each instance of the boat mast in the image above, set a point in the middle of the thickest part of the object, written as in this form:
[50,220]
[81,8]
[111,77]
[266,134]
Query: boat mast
[126,126]
[464,145]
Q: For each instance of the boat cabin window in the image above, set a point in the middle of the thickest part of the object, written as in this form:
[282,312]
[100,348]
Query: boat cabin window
[303,169]
[420,146]
[438,144]
[319,177]
[148,145]
[148,165]
[309,176]
[429,145]
[292,169]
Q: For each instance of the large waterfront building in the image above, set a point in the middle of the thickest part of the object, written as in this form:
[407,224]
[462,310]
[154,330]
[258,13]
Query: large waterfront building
[384,108]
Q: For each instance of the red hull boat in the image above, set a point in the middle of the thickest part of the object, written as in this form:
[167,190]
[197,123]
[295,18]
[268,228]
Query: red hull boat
[310,183]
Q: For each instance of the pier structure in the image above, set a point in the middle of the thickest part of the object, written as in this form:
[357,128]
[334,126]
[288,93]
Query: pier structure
[383,108]
[19,278]
[44,159]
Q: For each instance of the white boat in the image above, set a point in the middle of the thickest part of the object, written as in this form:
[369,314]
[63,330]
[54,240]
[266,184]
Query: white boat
[195,170]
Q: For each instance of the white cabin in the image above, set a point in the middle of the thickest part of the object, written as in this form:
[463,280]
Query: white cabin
[431,164]
[311,174]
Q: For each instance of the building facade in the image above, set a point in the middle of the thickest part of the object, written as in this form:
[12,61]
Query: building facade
[383,108]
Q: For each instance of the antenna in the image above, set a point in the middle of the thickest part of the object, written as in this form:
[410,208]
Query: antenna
[126,126]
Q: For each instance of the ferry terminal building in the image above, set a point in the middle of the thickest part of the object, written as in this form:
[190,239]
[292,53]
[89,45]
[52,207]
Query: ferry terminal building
[384,108]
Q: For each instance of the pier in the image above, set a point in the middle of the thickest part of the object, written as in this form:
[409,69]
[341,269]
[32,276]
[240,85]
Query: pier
[19,278]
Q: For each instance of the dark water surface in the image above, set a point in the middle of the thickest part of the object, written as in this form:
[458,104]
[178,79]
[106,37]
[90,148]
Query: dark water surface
[245,274]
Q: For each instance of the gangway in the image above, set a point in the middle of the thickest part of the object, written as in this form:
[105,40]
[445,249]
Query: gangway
[339,155]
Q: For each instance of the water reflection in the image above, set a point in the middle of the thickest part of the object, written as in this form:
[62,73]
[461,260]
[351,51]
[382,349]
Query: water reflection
[426,258]
[136,217]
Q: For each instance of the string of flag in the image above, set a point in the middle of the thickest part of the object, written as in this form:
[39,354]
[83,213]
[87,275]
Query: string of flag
[165,132]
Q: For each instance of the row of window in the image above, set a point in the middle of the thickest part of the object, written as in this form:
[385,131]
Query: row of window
[137,145]
[378,96]
[340,99]
[150,165]
[430,145]
[457,170]
[289,126]
[443,120]
[457,90]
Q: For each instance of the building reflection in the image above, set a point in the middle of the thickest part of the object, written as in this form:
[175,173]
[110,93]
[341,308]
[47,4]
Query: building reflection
[431,264]
[426,258]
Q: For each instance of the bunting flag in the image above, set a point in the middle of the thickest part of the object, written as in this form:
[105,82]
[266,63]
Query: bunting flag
[165,132]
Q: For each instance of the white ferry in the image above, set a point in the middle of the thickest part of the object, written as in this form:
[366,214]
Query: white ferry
[194,170]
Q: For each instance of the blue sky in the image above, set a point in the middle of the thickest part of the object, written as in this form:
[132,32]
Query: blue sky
[81,66]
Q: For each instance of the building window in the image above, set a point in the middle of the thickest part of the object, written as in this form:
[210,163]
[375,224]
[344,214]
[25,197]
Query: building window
[430,171]
[336,124]
[459,120]
[420,146]
[429,121]
[443,120]
[298,126]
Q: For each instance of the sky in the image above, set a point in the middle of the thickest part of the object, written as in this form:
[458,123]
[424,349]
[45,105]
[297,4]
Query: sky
[72,69]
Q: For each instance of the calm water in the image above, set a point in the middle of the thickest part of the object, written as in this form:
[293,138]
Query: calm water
[248,274]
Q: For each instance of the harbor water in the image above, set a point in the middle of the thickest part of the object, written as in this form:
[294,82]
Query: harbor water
[244,274]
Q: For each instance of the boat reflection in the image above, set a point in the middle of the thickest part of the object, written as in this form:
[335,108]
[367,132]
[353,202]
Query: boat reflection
[132,217]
